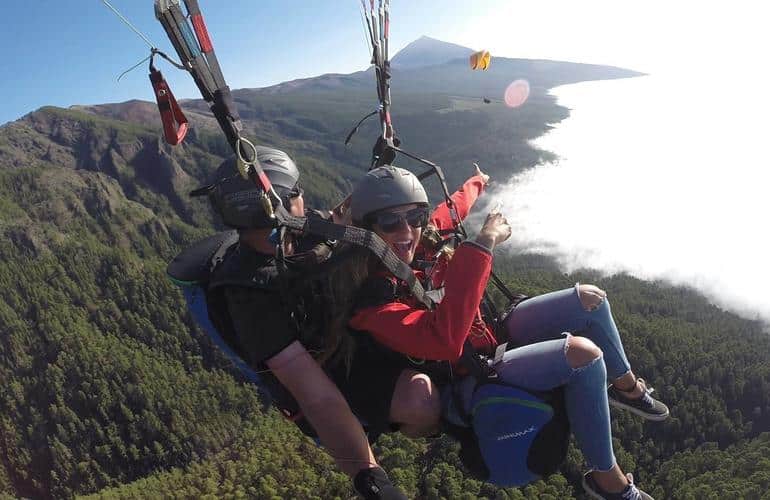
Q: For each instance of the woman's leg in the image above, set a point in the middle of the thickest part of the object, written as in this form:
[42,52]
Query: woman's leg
[416,404]
[582,309]
[577,364]
[585,310]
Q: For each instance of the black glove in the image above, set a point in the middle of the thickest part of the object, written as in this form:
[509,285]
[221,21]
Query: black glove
[374,484]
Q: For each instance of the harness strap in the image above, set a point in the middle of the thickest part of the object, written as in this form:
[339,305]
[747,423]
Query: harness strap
[362,238]
[479,369]
[174,121]
[200,61]
[222,105]
[475,363]
[195,58]
[207,47]
[185,47]
[283,285]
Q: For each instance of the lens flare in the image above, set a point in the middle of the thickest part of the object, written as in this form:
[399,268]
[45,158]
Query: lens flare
[517,93]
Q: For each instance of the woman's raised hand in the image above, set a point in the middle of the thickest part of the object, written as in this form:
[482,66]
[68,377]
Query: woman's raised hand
[494,231]
[484,177]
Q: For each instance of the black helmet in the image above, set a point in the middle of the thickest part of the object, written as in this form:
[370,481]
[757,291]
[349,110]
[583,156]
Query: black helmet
[385,187]
[239,201]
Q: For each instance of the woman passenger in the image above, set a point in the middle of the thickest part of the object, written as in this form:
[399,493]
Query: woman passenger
[392,202]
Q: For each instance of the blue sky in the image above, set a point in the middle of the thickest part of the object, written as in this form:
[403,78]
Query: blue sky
[71,51]
[65,52]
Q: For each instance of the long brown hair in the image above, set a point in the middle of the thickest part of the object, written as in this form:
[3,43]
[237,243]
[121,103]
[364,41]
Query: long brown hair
[342,285]
[350,269]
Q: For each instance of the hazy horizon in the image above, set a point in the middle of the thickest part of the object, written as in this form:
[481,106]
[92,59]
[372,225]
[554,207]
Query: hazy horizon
[649,185]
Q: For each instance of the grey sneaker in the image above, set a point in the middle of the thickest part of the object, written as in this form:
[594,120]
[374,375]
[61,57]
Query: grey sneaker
[630,493]
[645,406]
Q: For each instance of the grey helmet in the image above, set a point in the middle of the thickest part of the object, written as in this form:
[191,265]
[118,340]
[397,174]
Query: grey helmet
[238,201]
[385,187]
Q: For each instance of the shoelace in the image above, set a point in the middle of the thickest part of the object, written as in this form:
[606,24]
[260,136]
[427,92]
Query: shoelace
[646,397]
[631,492]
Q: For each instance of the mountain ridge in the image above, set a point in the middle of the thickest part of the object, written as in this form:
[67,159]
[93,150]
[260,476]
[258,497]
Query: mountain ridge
[425,54]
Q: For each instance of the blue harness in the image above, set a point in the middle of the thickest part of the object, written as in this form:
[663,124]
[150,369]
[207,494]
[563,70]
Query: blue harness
[506,421]
[520,436]
[191,270]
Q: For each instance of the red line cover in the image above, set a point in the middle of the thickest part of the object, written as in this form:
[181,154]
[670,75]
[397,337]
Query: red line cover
[203,34]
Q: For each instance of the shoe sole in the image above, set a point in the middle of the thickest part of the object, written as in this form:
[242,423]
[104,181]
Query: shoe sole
[637,411]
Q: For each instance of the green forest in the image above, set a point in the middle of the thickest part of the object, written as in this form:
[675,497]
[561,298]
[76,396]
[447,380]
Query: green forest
[109,391]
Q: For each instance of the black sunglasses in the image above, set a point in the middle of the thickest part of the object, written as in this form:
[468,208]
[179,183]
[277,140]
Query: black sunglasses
[389,222]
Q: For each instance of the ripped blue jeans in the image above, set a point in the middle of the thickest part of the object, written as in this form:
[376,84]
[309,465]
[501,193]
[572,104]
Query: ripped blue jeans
[546,316]
[542,366]
[539,325]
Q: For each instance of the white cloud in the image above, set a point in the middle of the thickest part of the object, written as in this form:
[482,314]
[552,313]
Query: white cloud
[656,182]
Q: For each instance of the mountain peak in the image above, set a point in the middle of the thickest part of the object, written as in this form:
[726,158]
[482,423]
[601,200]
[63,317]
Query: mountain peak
[427,51]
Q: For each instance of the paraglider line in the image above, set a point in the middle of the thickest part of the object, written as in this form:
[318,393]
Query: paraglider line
[128,23]
[153,52]
[367,32]
[134,66]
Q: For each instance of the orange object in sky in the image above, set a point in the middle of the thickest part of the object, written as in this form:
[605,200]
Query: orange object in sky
[480,60]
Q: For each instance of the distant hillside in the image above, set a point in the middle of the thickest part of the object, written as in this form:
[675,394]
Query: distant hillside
[431,85]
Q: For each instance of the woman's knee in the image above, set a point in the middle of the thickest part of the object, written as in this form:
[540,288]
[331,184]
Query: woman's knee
[581,351]
[591,296]
[416,400]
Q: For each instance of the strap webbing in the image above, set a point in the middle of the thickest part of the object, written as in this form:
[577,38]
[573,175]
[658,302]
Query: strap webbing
[207,47]
[174,121]
[363,238]
[475,363]
[200,61]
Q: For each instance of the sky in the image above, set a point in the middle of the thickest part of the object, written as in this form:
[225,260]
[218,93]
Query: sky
[71,52]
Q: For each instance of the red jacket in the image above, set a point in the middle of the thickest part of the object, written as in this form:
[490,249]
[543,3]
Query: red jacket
[438,334]
[463,200]
[441,333]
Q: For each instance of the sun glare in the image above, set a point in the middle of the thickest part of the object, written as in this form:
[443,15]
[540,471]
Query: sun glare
[516,93]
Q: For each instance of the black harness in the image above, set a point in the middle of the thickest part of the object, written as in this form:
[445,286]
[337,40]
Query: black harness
[213,264]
